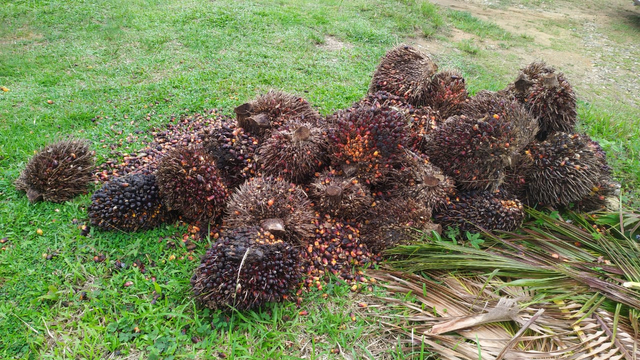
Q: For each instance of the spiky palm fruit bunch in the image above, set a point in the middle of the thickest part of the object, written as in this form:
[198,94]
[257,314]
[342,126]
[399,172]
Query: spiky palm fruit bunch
[561,170]
[58,172]
[246,268]
[392,222]
[234,151]
[474,151]
[335,248]
[447,93]
[340,196]
[296,151]
[129,203]
[476,210]
[191,184]
[548,96]
[367,142]
[272,110]
[273,204]
[404,71]
[420,180]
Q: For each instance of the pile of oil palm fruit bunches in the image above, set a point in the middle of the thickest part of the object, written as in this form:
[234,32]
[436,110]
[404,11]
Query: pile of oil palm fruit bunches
[294,196]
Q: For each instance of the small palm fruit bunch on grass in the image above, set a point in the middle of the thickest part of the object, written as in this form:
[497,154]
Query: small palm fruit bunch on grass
[129,203]
[295,151]
[447,93]
[234,151]
[562,169]
[58,172]
[246,268]
[274,204]
[367,142]
[479,210]
[191,184]
[404,71]
[340,196]
[271,110]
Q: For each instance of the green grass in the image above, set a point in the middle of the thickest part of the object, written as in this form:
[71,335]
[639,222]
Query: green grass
[111,68]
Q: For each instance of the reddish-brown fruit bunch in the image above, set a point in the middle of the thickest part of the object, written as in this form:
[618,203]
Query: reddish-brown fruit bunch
[233,150]
[272,110]
[405,72]
[129,203]
[190,183]
[246,268]
[486,210]
[58,172]
[367,141]
[561,170]
[340,196]
[273,204]
[474,151]
[296,151]
[447,93]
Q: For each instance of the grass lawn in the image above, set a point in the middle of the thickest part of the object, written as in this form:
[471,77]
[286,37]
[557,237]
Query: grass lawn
[103,70]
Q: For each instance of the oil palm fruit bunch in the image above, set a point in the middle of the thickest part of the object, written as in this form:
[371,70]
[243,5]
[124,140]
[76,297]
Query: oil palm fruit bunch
[295,151]
[234,151]
[367,142]
[481,210]
[272,110]
[404,71]
[191,184]
[340,196]
[562,169]
[474,151]
[129,203]
[58,172]
[274,204]
[246,268]
[447,93]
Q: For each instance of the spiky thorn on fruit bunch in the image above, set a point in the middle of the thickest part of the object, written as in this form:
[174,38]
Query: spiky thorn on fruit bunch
[404,71]
[271,110]
[129,203]
[58,172]
[367,142]
[447,93]
[246,268]
[393,222]
[234,151]
[273,204]
[562,169]
[191,184]
[339,196]
[479,210]
[295,151]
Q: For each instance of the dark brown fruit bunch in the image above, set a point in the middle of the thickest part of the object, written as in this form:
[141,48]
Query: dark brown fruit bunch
[599,196]
[447,93]
[367,141]
[335,248]
[295,151]
[340,196]
[272,110]
[273,204]
[405,72]
[481,210]
[394,222]
[474,151]
[190,183]
[129,203]
[58,172]
[233,150]
[420,180]
[561,170]
[246,268]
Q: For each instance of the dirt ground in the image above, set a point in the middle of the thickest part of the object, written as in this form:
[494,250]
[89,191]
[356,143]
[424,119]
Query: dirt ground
[595,43]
